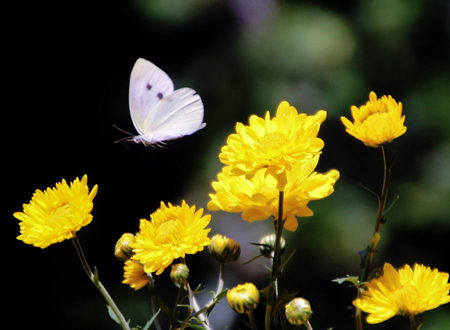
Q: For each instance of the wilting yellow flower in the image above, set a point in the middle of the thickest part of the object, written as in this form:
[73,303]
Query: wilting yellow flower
[172,232]
[273,144]
[298,311]
[243,298]
[134,275]
[406,292]
[224,249]
[258,197]
[56,214]
[378,122]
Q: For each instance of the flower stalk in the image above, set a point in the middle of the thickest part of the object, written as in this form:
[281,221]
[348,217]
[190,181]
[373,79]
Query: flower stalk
[95,279]
[273,288]
[412,322]
[379,220]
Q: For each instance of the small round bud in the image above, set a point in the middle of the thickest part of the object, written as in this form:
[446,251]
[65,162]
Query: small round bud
[224,249]
[298,311]
[179,273]
[269,245]
[123,250]
[243,298]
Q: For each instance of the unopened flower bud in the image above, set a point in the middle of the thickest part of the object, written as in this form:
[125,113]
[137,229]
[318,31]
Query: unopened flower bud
[269,245]
[179,273]
[298,311]
[123,250]
[224,249]
[243,298]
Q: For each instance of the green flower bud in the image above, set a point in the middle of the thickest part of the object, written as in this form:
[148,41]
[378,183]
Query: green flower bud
[243,298]
[269,245]
[298,311]
[123,250]
[224,249]
[179,273]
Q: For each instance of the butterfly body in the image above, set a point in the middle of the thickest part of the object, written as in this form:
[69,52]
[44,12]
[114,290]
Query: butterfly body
[160,113]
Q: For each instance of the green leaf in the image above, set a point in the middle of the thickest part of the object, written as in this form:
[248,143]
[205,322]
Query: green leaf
[254,258]
[149,323]
[286,260]
[351,279]
[112,314]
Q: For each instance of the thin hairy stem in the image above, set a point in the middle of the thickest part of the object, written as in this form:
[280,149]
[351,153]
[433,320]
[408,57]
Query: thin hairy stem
[94,279]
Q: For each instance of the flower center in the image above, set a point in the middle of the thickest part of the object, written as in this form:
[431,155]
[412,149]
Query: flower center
[270,192]
[168,232]
[59,214]
[404,300]
[272,144]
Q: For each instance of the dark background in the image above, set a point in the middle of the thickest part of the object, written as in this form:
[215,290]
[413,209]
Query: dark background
[68,65]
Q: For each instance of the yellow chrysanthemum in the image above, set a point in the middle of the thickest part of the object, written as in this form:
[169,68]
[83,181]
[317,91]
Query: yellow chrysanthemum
[56,214]
[406,292]
[258,197]
[172,232]
[376,123]
[134,275]
[273,144]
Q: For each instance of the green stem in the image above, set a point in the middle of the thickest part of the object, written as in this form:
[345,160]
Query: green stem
[378,222]
[94,279]
[252,321]
[273,288]
[154,303]
[308,325]
[176,309]
[412,322]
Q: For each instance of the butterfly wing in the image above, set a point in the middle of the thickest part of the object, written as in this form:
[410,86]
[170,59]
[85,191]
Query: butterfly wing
[148,85]
[176,115]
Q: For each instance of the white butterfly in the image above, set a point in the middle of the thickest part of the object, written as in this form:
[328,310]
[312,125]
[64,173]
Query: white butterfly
[159,112]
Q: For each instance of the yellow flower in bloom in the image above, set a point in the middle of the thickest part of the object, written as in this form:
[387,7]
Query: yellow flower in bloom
[406,292]
[273,144]
[243,298]
[376,123]
[172,232]
[56,214]
[258,198]
[134,275]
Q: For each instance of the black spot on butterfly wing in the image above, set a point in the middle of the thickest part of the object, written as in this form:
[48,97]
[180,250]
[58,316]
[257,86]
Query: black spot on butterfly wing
[149,87]
[159,96]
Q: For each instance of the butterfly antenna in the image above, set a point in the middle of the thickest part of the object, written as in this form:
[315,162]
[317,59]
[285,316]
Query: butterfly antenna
[128,138]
